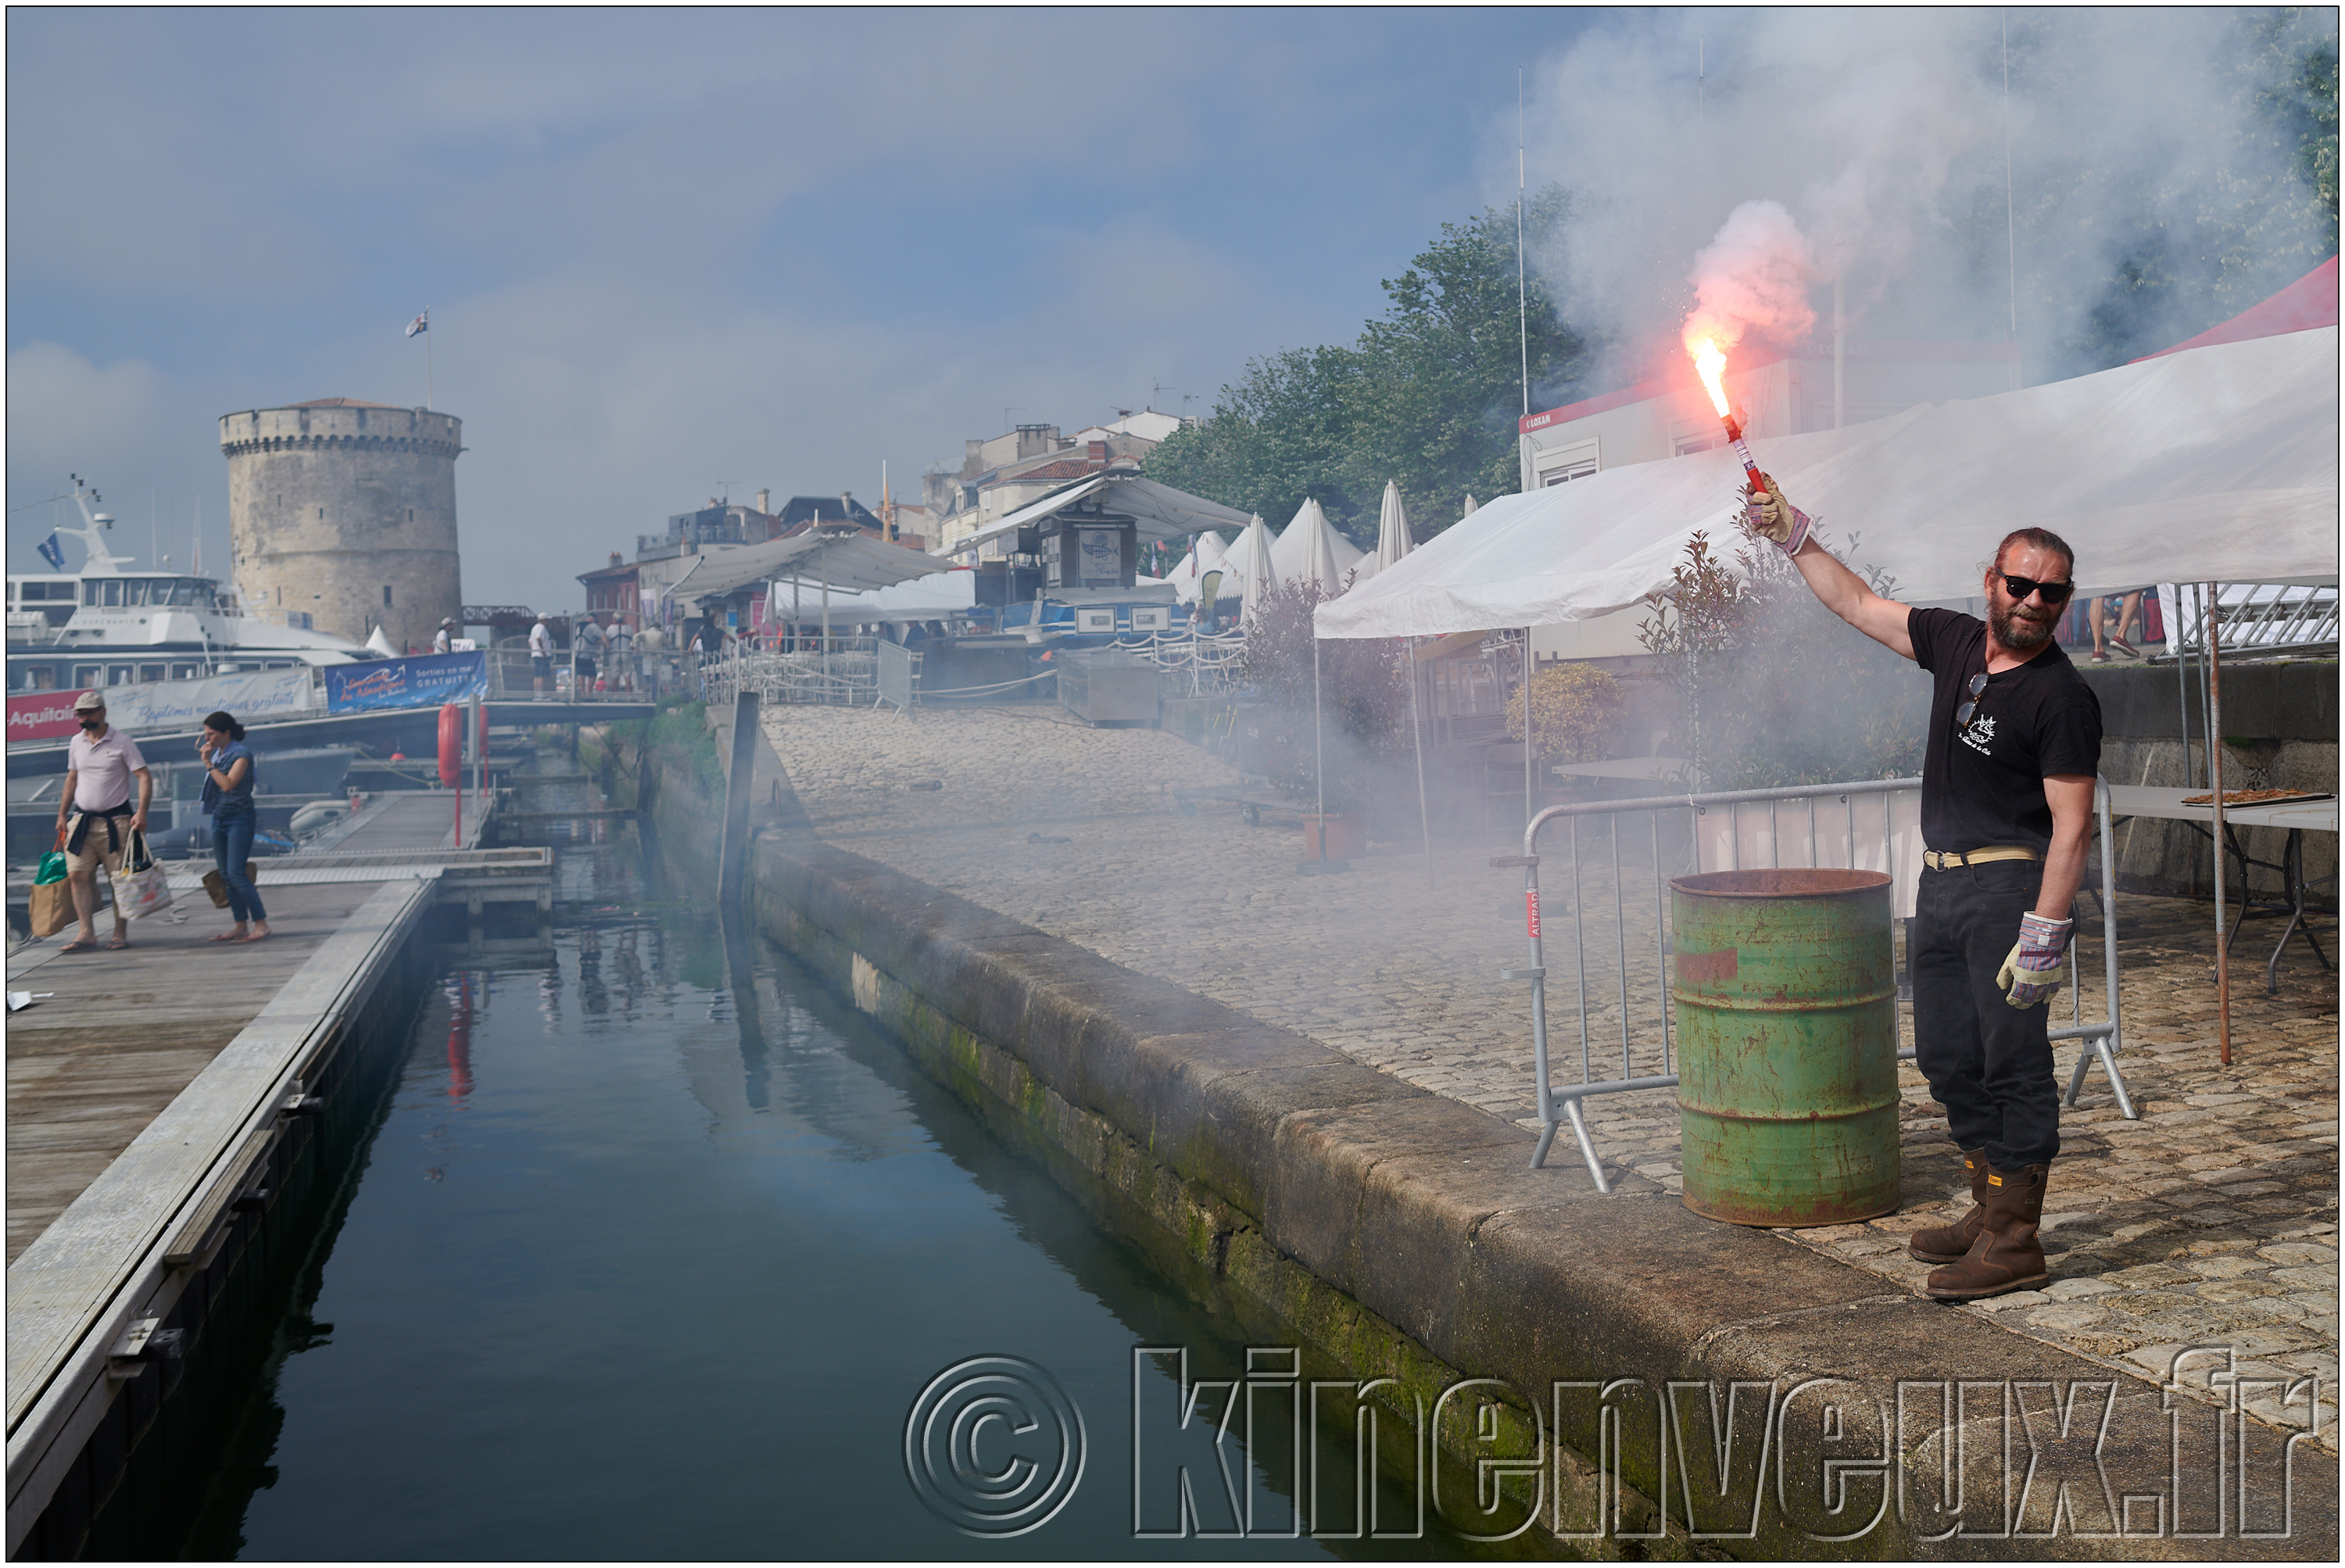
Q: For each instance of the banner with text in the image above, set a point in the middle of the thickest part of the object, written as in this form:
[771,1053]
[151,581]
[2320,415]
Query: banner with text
[420,682]
[165,706]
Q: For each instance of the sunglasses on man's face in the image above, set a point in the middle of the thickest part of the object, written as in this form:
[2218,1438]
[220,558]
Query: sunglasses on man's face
[1977,688]
[2020,587]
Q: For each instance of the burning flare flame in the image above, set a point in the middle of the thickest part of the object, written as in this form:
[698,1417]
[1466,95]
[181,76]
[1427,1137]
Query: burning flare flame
[1710,364]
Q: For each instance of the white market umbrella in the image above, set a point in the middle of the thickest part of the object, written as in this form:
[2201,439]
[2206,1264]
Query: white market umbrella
[1260,577]
[1312,549]
[380,643]
[1391,529]
[1470,505]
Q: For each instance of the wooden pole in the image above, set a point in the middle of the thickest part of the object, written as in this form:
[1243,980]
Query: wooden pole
[2215,780]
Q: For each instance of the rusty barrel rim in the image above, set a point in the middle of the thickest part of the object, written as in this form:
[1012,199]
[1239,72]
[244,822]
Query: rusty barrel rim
[1786,882]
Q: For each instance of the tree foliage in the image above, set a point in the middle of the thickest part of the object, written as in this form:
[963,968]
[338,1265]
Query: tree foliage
[2178,254]
[1428,397]
[1772,688]
[1341,700]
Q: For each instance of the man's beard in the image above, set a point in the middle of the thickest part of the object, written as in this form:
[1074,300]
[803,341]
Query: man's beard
[2017,632]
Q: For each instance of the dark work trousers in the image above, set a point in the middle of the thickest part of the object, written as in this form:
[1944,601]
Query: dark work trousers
[1988,1063]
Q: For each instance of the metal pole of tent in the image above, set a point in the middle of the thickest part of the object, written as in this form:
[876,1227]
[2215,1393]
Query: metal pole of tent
[1319,744]
[2215,770]
[1417,732]
[2180,640]
[1530,807]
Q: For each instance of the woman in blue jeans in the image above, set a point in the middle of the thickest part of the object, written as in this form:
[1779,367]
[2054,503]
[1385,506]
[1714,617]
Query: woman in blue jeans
[229,774]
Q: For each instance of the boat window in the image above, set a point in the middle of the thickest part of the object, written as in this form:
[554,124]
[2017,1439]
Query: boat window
[89,592]
[152,672]
[189,591]
[110,592]
[85,674]
[133,590]
[117,675]
[281,663]
[183,672]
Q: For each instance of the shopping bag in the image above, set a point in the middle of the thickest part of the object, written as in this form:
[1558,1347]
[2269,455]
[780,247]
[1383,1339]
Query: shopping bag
[142,887]
[216,889]
[52,909]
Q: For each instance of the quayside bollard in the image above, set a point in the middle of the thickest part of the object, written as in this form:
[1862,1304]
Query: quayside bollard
[1785,989]
[740,778]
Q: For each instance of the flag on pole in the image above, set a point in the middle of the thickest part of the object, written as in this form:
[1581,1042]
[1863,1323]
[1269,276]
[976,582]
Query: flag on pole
[421,323]
[52,552]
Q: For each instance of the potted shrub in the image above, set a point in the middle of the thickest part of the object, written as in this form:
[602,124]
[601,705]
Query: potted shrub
[1323,756]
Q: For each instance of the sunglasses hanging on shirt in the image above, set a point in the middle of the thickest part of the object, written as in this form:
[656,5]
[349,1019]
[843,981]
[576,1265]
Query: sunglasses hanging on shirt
[1977,688]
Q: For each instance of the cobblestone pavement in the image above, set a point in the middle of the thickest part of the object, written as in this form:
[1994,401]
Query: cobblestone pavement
[2212,1220]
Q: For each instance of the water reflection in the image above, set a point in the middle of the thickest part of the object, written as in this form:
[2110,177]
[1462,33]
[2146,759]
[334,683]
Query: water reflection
[669,1288]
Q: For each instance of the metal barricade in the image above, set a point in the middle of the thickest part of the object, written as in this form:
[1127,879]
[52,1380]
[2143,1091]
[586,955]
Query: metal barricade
[900,675]
[1557,1103]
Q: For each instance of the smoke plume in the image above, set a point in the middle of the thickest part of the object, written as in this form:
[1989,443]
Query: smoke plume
[2153,185]
[1755,274]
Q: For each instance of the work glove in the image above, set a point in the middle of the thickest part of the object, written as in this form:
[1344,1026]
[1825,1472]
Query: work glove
[1773,518]
[2031,972]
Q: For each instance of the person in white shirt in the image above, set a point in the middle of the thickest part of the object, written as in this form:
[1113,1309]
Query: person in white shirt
[541,656]
[622,639]
[100,763]
[442,639]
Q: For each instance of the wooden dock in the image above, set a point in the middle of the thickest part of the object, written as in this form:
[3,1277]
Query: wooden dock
[144,1094]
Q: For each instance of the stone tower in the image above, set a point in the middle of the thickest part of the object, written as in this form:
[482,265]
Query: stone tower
[345,512]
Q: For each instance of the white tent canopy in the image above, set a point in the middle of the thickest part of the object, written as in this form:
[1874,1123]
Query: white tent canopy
[934,597]
[2217,463]
[845,559]
[1159,511]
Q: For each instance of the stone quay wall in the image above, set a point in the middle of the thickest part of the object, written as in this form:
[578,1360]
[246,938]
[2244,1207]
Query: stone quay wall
[347,514]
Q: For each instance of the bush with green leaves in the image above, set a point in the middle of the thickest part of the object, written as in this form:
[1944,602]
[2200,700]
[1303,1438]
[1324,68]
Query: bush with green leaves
[1772,689]
[1361,699]
[1573,707]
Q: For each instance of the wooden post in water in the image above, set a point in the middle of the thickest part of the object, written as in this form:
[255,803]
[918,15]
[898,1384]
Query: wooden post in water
[740,779]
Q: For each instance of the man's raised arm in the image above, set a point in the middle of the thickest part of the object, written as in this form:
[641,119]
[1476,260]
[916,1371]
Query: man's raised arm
[1844,592]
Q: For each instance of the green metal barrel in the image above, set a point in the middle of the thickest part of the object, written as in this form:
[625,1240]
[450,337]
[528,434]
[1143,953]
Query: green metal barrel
[1786,996]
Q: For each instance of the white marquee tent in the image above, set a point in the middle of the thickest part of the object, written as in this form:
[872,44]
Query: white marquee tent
[2216,463]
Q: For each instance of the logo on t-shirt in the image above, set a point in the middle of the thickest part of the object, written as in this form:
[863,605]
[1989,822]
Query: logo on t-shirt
[1980,736]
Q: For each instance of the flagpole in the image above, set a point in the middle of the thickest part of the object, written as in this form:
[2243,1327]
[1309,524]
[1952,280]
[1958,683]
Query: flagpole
[427,358]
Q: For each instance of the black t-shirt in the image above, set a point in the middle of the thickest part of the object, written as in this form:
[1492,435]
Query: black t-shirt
[1984,785]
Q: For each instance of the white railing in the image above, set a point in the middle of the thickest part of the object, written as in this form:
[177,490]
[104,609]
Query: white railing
[1207,663]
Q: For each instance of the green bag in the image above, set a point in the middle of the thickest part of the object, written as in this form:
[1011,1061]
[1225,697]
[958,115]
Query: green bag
[52,868]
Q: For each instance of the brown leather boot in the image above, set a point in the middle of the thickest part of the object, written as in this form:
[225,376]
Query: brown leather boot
[1946,1243]
[2007,1256]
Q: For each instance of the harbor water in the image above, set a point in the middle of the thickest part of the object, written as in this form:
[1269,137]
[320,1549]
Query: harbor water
[659,1248]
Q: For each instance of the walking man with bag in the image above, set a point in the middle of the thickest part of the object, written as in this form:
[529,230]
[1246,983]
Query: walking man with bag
[2015,743]
[95,821]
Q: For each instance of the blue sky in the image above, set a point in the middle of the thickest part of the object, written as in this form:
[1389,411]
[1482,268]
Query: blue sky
[667,249]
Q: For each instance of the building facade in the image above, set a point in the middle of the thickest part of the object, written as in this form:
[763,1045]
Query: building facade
[343,517]
[998,476]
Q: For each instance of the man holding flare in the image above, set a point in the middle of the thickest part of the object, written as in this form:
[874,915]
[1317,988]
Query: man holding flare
[2015,742]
